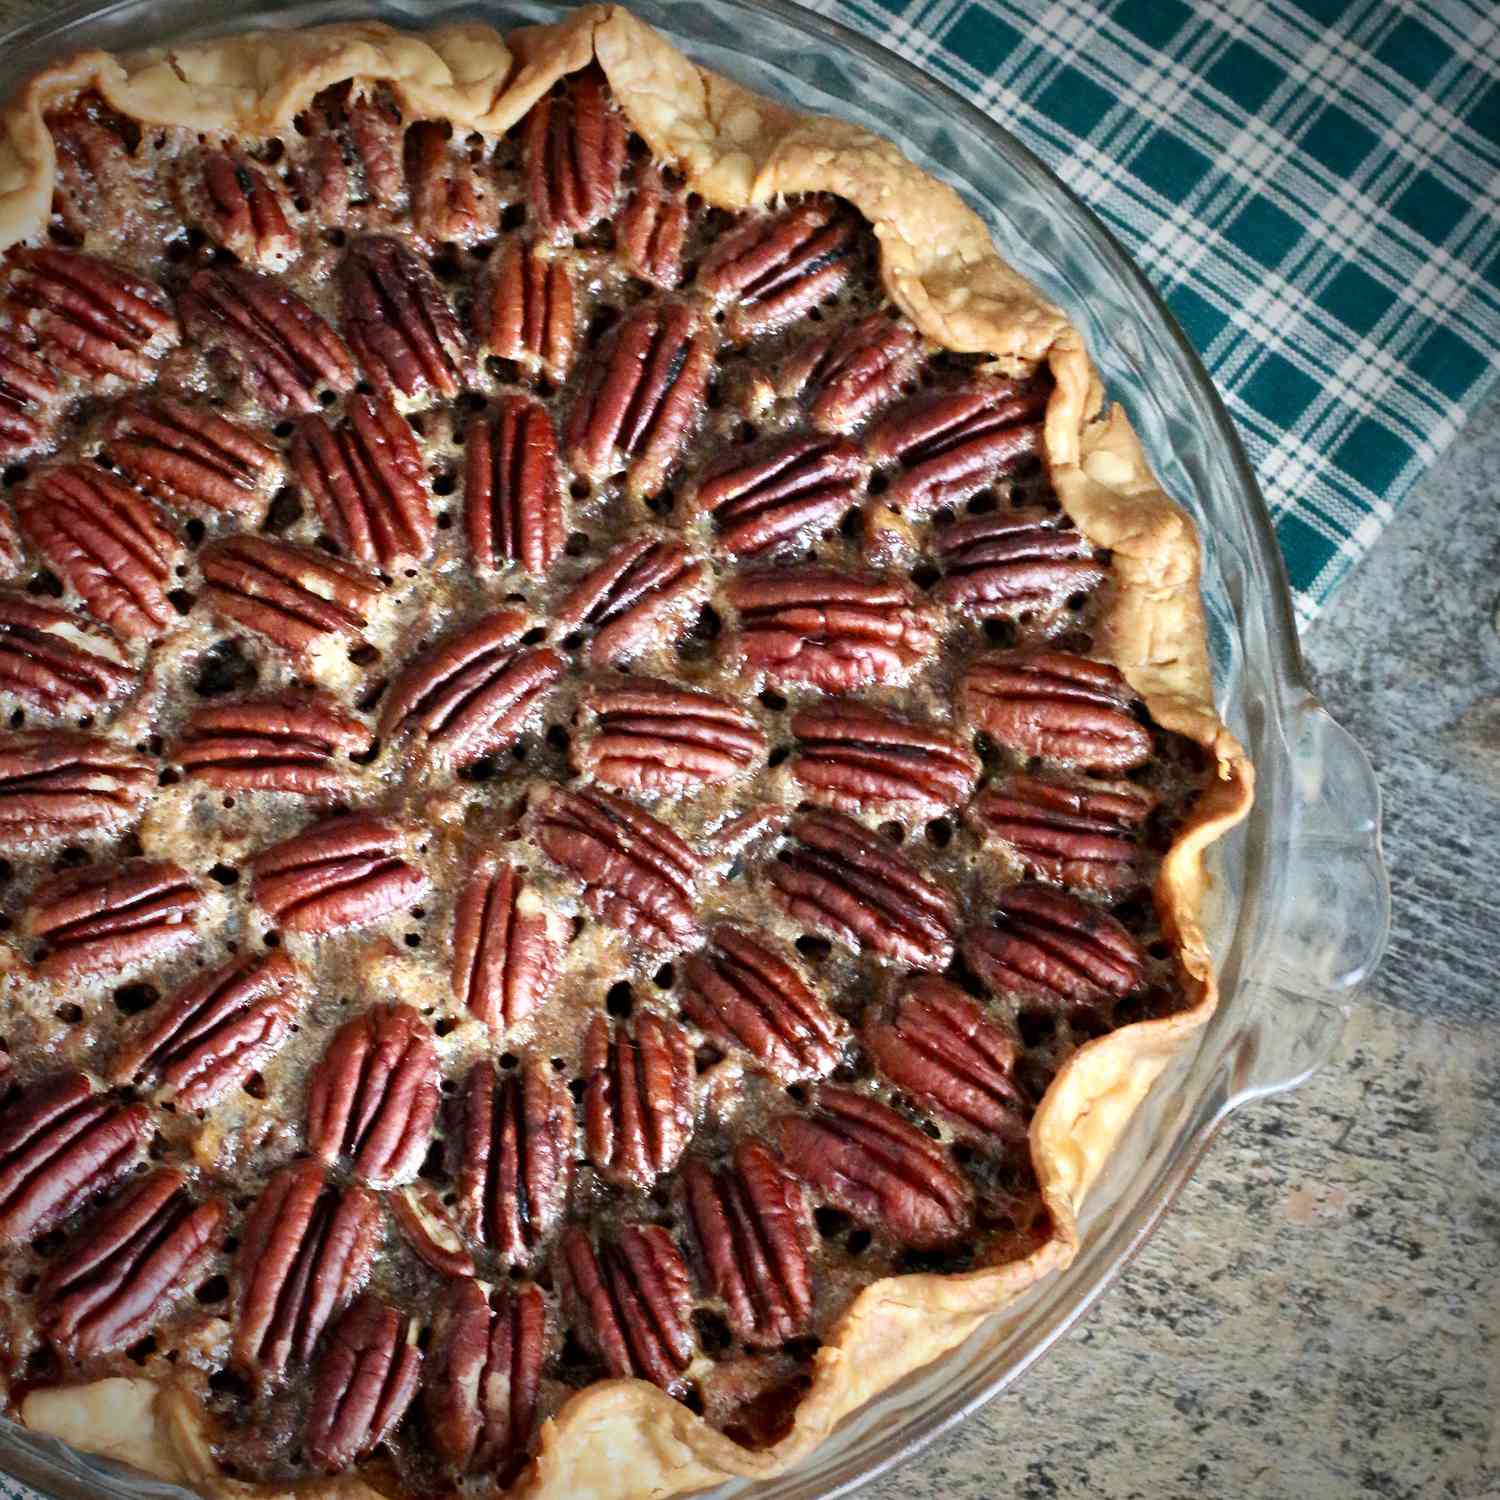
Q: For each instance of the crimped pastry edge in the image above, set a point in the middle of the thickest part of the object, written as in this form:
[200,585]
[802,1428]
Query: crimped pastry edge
[625,1438]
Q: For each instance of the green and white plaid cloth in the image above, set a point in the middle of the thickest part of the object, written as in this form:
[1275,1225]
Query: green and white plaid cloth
[1313,185]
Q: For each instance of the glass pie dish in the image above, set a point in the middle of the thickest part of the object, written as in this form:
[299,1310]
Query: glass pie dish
[1285,953]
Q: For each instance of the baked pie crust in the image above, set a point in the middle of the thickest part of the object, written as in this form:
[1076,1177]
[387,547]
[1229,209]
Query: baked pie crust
[936,263]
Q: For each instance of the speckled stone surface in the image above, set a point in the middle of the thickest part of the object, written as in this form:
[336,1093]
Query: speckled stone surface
[1319,1314]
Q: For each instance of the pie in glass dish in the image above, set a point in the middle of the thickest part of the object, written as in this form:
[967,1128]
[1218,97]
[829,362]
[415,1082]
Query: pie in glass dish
[609,750]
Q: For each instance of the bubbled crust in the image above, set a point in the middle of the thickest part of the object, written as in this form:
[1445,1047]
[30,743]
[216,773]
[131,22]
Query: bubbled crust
[939,268]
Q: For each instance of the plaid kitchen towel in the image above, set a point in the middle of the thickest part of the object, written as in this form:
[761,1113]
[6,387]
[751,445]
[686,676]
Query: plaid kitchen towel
[1313,185]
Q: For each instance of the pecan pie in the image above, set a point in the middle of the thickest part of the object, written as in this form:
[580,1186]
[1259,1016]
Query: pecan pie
[609,751]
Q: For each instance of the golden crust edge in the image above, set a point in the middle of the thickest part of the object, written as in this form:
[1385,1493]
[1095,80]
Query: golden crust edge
[937,261]
[940,267]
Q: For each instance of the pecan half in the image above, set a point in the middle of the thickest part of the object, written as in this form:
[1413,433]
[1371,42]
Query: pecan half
[643,396]
[291,744]
[271,342]
[639,735]
[191,458]
[517,1158]
[508,946]
[754,1232]
[59,1146]
[953,444]
[54,662]
[484,1372]
[368,482]
[946,1054]
[130,1263]
[399,322]
[377,135]
[101,186]
[879,1168]
[513,508]
[1012,561]
[294,596]
[634,1302]
[652,229]
[108,542]
[322,177]
[87,317]
[778,268]
[113,916]
[1085,836]
[56,788]
[639,1102]
[374,1095]
[529,311]
[355,156]
[834,631]
[848,883]
[346,871]
[366,1377]
[638,875]
[782,494]
[214,1032]
[741,991]
[1052,950]
[644,593]
[1063,708]
[847,377]
[305,1252]
[29,400]
[452,202]
[238,205]
[429,1229]
[474,695]
[574,141]
[859,759]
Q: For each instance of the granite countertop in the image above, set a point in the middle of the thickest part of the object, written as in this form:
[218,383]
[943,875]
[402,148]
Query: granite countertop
[1319,1314]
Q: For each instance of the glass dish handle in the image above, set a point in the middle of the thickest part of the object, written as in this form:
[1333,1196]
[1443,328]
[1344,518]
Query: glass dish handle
[1332,909]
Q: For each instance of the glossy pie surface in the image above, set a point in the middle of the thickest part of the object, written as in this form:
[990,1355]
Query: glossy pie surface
[566,791]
